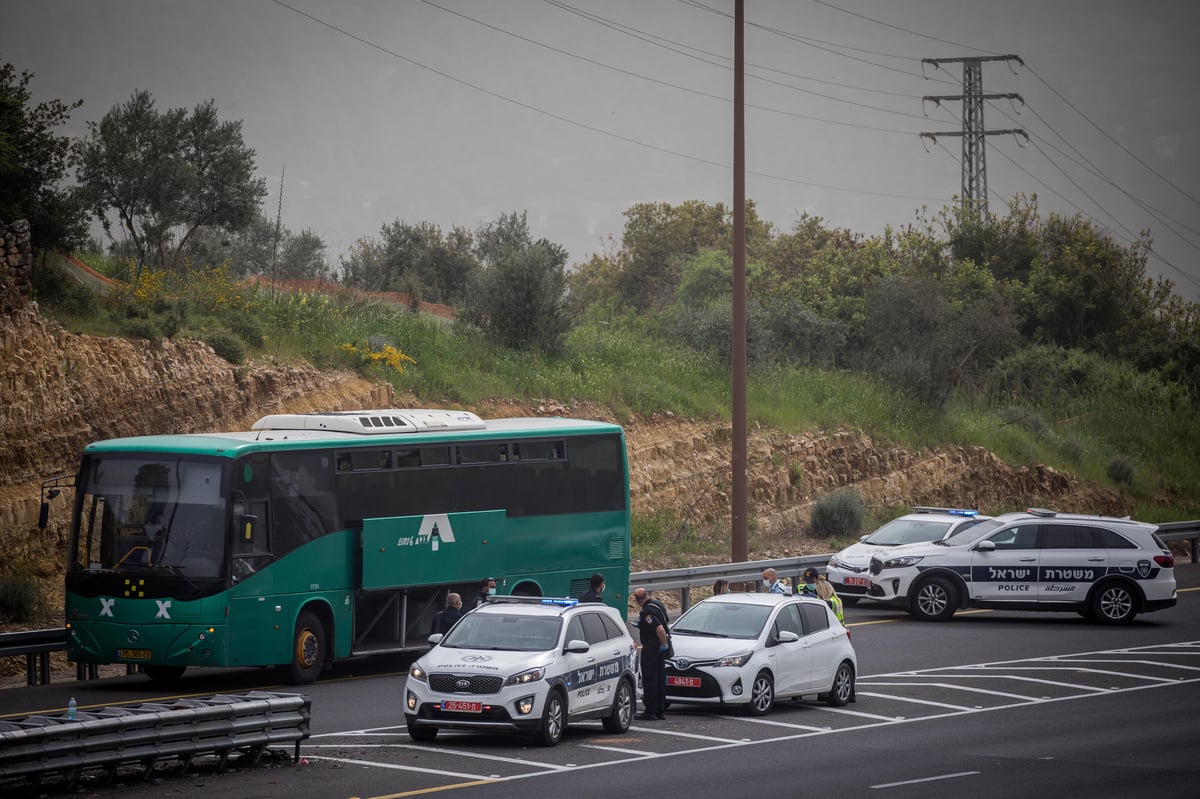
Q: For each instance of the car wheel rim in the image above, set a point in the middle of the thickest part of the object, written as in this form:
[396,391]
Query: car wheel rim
[932,600]
[1115,603]
[843,686]
[625,705]
[554,719]
[762,695]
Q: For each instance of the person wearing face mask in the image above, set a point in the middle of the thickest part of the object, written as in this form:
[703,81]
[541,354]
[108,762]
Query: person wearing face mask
[773,584]
[486,588]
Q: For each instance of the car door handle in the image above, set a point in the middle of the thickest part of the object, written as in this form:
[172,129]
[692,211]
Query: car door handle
[1095,560]
[1028,560]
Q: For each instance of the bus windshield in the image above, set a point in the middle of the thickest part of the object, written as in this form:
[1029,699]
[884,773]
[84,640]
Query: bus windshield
[142,513]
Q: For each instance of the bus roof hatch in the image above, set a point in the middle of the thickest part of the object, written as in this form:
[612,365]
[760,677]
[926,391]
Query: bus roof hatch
[388,421]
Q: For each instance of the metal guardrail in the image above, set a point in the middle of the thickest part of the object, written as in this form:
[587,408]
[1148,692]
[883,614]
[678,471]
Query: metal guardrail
[106,739]
[1182,531]
[749,572]
[36,646]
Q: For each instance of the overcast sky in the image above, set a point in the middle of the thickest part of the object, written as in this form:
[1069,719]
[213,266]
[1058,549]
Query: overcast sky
[456,111]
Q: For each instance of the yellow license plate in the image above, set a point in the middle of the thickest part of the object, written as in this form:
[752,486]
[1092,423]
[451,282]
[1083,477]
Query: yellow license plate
[134,654]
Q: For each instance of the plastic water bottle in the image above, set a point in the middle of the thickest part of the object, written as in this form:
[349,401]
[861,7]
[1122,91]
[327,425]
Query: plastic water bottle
[71,709]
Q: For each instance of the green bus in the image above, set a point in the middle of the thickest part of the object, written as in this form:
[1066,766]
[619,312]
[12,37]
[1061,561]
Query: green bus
[315,537]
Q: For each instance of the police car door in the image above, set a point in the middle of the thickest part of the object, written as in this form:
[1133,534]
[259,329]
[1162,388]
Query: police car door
[582,668]
[1072,558]
[1006,568]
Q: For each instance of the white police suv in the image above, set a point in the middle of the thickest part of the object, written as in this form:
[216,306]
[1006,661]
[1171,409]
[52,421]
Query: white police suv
[1103,568]
[849,570]
[528,665]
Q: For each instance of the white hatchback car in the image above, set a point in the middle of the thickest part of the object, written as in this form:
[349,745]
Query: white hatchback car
[750,649]
[849,570]
[526,665]
[1106,569]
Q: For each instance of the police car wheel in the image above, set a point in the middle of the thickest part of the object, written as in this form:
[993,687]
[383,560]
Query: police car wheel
[762,695]
[554,721]
[622,709]
[933,600]
[1113,603]
[421,734]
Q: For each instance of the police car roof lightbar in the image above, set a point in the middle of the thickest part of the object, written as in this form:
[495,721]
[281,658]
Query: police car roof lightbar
[951,511]
[1041,512]
[533,600]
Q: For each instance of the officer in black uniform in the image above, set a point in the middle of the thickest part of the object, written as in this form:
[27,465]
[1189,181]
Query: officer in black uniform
[593,594]
[652,628]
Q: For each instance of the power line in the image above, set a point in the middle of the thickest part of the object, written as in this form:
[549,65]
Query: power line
[583,125]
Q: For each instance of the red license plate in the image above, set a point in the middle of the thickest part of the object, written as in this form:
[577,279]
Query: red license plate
[863,581]
[684,682]
[463,707]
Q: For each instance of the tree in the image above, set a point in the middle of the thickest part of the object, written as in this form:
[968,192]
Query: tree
[302,257]
[33,162]
[519,296]
[166,175]
[417,259]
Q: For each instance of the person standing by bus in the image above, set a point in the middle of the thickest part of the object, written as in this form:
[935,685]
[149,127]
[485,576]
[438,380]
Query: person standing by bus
[593,594]
[656,643]
[446,617]
[486,589]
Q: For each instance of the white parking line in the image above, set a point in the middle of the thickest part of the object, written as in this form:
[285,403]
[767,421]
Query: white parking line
[954,687]
[444,751]
[776,723]
[398,767]
[913,700]
[926,779]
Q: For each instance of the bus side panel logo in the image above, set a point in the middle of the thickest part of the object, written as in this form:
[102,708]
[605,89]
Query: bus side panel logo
[438,523]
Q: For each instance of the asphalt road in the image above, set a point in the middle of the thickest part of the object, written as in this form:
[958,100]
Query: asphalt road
[990,704]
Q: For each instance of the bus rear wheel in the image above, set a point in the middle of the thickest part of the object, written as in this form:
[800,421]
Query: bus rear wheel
[309,646]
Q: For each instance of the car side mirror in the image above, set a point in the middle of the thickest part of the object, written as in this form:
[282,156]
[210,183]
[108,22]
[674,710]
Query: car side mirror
[787,637]
[577,646]
[436,638]
[985,546]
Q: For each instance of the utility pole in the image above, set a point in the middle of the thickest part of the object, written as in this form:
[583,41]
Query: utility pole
[974,161]
[739,527]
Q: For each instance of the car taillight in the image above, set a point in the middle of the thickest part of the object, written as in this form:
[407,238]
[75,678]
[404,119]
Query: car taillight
[1166,561]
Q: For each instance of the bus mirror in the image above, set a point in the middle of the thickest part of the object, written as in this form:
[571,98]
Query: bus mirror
[43,515]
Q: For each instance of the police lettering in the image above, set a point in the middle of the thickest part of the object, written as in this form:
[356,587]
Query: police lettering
[1068,574]
[1017,587]
[1009,574]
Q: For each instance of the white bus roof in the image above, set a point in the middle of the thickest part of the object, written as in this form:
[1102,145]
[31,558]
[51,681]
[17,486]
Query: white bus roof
[373,422]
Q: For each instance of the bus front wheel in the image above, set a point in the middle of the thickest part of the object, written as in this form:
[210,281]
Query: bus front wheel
[308,649]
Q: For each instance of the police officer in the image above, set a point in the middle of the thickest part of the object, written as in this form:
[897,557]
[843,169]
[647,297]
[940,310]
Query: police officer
[593,594]
[486,588]
[656,643]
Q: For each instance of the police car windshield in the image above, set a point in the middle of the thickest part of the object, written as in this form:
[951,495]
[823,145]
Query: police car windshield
[908,531]
[970,534]
[512,633]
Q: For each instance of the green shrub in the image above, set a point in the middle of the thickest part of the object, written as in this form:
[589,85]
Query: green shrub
[19,597]
[226,345]
[1074,451]
[1120,470]
[246,327]
[136,327]
[841,513]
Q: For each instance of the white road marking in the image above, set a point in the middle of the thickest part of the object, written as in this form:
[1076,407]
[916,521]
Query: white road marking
[926,779]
